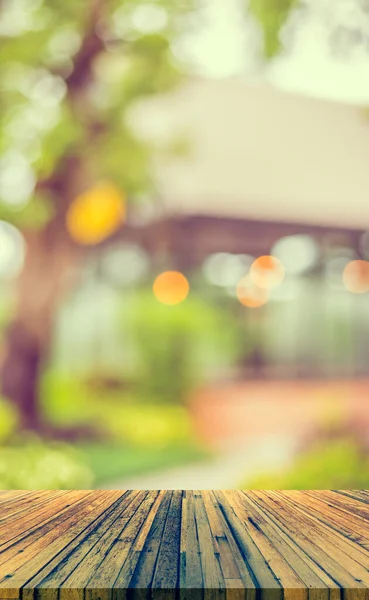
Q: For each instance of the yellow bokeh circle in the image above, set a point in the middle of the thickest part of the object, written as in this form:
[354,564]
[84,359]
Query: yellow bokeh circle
[96,214]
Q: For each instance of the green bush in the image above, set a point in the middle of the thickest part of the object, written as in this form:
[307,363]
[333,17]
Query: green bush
[177,347]
[34,465]
[8,420]
[68,401]
[148,425]
[330,464]
[65,399]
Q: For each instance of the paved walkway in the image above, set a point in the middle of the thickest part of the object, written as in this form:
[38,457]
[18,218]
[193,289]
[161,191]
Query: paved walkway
[229,469]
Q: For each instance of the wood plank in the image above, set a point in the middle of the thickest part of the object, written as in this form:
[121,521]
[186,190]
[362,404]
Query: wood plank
[83,520]
[78,569]
[17,506]
[314,543]
[139,568]
[338,502]
[100,584]
[167,566]
[211,572]
[35,521]
[13,559]
[231,545]
[312,575]
[247,577]
[327,534]
[354,527]
[194,576]
[358,495]
[264,576]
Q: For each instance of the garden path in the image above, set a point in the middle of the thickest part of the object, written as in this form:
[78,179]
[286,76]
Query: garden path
[228,469]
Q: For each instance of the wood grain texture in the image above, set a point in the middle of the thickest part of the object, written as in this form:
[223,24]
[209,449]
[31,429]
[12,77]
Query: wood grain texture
[115,545]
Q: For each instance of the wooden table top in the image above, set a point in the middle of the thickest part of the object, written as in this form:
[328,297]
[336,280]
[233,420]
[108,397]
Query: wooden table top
[99,544]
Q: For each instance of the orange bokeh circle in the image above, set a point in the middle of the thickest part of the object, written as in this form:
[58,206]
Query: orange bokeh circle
[250,295]
[171,287]
[267,272]
[356,276]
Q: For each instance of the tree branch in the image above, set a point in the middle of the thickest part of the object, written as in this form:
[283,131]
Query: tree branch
[91,46]
[59,182]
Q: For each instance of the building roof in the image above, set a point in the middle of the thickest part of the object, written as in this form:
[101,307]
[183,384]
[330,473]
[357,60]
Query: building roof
[259,153]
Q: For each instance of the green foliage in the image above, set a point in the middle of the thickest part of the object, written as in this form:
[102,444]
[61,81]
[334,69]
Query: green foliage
[33,215]
[147,425]
[42,119]
[44,123]
[272,15]
[143,437]
[69,401]
[8,420]
[331,464]
[121,158]
[178,345]
[64,400]
[33,464]
[66,134]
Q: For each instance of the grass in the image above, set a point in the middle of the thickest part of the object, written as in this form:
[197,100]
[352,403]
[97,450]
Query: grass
[111,462]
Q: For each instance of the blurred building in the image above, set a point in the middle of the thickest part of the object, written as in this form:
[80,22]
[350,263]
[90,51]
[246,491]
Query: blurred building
[257,153]
[264,173]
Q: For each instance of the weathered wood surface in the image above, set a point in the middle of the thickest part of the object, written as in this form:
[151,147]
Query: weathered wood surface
[253,544]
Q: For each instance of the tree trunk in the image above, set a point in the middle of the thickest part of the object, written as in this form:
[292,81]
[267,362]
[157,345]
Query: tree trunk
[51,255]
[21,371]
[28,337]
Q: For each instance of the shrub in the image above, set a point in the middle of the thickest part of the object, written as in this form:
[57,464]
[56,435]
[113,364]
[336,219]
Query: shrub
[177,347]
[34,464]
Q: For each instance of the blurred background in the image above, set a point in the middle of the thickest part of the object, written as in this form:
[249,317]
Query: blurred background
[184,244]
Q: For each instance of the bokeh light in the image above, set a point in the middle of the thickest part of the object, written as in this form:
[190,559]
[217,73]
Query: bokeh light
[125,265]
[149,18]
[267,272]
[12,250]
[297,253]
[356,276]
[171,287]
[251,295]
[17,179]
[96,214]
[225,270]
[63,45]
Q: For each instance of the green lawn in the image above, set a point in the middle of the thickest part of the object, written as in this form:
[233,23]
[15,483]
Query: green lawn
[111,462]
